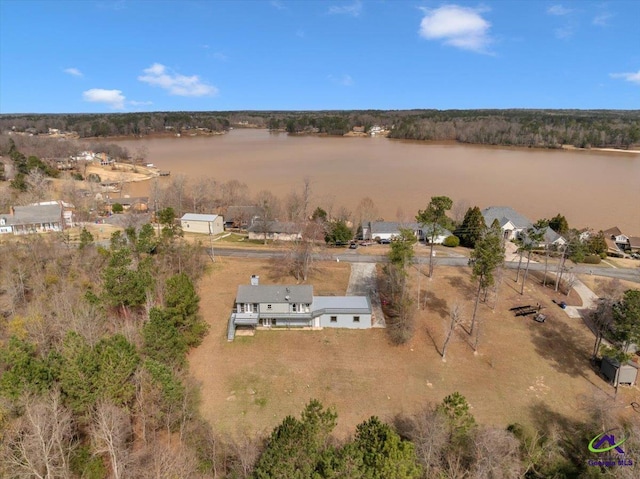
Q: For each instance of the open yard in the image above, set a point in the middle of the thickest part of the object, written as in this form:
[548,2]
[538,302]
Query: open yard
[522,368]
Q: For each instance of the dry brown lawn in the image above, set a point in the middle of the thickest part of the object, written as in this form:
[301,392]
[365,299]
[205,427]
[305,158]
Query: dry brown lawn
[523,367]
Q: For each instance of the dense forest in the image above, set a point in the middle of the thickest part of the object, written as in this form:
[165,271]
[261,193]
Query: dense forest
[530,128]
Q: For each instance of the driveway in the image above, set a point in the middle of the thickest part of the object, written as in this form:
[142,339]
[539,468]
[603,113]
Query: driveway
[362,282]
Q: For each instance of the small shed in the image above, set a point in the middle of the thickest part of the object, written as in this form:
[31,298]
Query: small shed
[627,375]
[203,224]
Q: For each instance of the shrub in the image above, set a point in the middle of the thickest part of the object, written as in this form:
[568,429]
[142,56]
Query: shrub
[603,255]
[451,241]
[592,259]
[117,208]
[77,176]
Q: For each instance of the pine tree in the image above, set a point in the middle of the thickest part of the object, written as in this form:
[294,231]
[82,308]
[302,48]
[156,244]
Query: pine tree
[472,228]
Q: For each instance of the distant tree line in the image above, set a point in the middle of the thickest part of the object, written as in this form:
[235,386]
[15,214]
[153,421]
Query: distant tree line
[515,127]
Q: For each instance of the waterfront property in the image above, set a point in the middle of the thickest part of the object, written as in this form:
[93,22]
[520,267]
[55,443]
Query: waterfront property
[203,224]
[37,218]
[275,230]
[295,306]
[388,230]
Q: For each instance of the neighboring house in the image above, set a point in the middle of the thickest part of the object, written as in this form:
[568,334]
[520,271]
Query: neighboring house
[612,247]
[204,224]
[295,306]
[33,219]
[621,240]
[513,225]
[552,238]
[240,217]
[511,222]
[634,244]
[441,234]
[67,211]
[275,231]
[139,204]
[388,230]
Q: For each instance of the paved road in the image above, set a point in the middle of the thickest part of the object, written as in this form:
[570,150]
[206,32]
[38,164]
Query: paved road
[353,257]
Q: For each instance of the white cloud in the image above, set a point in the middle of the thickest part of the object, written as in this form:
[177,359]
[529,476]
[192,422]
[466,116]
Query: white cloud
[277,4]
[602,19]
[344,80]
[73,71]
[355,9]
[220,56]
[176,84]
[558,10]
[457,26]
[565,32]
[113,98]
[631,77]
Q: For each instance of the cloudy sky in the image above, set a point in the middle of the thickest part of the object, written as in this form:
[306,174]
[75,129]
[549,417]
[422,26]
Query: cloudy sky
[126,55]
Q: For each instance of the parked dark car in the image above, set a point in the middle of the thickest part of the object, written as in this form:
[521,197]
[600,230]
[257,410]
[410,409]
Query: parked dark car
[353,245]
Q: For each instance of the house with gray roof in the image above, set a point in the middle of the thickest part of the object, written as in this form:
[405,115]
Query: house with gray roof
[388,230]
[513,224]
[294,306]
[203,224]
[33,219]
[275,230]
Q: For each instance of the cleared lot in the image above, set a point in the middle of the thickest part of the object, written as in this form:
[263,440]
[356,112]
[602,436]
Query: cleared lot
[522,368]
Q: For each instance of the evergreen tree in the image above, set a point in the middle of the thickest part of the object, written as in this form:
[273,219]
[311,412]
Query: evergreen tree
[182,302]
[86,238]
[401,252]
[21,370]
[434,217]
[338,233]
[626,319]
[559,224]
[384,454]
[163,342]
[472,228]
[486,257]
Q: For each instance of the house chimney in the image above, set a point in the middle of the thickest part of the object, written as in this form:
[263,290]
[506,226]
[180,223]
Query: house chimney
[12,211]
[255,280]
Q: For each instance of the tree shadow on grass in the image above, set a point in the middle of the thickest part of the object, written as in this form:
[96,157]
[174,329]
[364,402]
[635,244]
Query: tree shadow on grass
[435,304]
[461,285]
[559,346]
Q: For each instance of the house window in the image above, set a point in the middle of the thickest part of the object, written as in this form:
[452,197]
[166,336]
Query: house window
[334,319]
[268,306]
[255,307]
[356,319]
[294,307]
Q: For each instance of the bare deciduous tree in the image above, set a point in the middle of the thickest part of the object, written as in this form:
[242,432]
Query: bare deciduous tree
[456,317]
[43,440]
[497,455]
[110,434]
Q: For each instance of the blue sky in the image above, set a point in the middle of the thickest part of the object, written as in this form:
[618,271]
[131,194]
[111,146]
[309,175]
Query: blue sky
[126,55]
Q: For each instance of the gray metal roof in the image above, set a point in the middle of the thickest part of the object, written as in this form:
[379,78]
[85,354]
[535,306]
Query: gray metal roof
[393,227]
[341,304]
[504,214]
[275,227]
[275,294]
[35,214]
[198,217]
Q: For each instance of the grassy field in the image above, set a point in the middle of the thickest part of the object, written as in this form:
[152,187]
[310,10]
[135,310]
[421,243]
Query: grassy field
[522,367]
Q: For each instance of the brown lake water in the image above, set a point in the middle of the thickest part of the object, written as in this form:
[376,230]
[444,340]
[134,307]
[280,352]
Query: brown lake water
[595,189]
